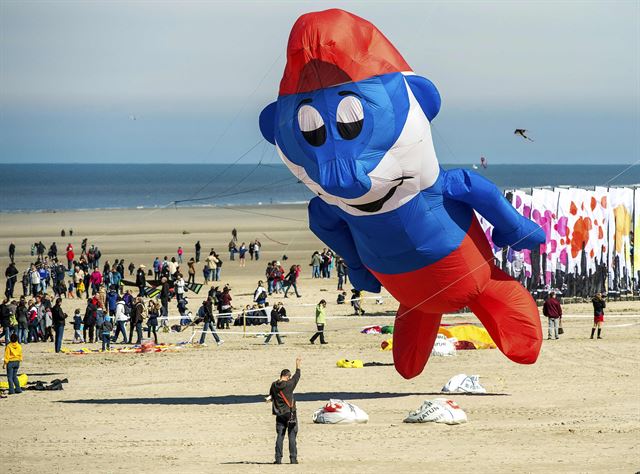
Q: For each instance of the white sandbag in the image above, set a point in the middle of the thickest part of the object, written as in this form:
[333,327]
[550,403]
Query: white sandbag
[339,411]
[443,346]
[440,410]
[463,383]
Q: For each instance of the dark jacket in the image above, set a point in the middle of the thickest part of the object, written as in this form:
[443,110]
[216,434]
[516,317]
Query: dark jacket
[278,404]
[58,316]
[599,305]
[107,327]
[91,314]
[77,322]
[208,312]
[275,317]
[291,277]
[22,315]
[141,280]
[552,308]
[164,292]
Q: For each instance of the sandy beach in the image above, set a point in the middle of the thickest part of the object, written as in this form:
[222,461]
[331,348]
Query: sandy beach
[202,409]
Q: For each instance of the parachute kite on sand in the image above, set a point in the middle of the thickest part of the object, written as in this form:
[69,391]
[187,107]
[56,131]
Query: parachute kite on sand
[339,411]
[352,121]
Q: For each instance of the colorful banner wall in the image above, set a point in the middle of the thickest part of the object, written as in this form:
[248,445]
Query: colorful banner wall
[590,240]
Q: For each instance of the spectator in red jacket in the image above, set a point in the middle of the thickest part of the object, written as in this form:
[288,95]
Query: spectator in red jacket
[553,311]
[70,256]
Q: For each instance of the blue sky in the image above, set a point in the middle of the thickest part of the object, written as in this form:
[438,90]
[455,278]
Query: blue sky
[196,75]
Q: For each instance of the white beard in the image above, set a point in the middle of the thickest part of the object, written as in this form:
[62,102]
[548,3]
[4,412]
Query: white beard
[411,155]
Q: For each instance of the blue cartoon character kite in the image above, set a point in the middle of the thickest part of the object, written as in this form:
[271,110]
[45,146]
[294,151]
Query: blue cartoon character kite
[352,122]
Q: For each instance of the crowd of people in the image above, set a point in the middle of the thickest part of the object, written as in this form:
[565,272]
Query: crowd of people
[114,313]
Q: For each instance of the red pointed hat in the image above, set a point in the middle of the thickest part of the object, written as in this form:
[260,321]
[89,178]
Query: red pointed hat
[332,47]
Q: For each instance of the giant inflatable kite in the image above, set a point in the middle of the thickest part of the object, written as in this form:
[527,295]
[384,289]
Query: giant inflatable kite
[352,121]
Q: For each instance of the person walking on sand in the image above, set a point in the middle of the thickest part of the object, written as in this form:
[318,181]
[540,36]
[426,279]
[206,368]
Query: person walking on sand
[208,322]
[553,311]
[12,359]
[283,406]
[180,252]
[275,317]
[599,304]
[321,319]
[198,247]
[290,281]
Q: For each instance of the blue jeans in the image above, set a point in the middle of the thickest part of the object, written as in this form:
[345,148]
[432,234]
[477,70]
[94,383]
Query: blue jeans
[12,377]
[59,332]
[22,335]
[274,331]
[218,270]
[288,287]
[315,271]
[106,341]
[209,325]
[120,328]
[7,334]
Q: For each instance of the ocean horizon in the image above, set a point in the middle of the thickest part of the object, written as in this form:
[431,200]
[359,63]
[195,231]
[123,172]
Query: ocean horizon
[36,187]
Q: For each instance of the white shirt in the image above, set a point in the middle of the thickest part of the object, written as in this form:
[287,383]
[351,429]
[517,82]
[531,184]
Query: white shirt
[258,293]
[120,314]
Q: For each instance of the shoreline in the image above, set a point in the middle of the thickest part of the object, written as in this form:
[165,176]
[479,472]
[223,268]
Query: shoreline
[259,205]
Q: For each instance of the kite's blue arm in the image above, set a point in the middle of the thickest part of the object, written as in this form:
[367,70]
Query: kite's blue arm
[510,228]
[335,232]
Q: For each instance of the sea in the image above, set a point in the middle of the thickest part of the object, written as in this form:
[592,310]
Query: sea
[57,187]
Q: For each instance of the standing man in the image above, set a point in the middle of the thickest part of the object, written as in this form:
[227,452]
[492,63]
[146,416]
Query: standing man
[12,276]
[12,251]
[321,319]
[552,310]
[121,319]
[284,408]
[198,251]
[141,280]
[58,316]
[210,262]
[165,295]
[341,268]
[140,312]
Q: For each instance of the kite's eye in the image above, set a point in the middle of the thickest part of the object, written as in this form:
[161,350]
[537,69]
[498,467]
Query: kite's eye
[311,125]
[350,117]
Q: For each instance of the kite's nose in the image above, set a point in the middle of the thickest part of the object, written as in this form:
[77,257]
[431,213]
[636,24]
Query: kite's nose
[344,178]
